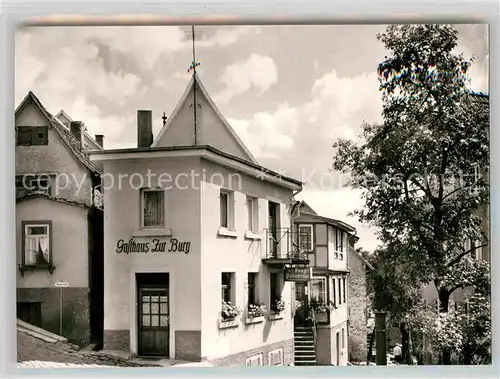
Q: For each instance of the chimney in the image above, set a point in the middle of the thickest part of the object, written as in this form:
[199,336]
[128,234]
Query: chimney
[99,138]
[76,129]
[144,128]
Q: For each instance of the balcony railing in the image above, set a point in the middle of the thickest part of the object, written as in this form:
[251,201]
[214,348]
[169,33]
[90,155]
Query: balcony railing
[287,244]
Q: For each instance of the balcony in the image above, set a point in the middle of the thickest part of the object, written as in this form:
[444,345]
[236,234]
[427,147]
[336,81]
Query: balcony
[284,246]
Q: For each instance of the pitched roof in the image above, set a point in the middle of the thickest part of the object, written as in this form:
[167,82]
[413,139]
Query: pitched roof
[306,210]
[72,143]
[61,113]
[195,81]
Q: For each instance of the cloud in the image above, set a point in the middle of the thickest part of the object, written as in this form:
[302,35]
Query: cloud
[225,36]
[257,72]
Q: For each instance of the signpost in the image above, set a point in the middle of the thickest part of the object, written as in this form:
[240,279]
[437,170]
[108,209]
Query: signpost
[298,274]
[61,285]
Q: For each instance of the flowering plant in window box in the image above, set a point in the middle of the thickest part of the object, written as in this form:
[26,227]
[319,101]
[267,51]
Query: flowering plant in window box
[229,311]
[297,304]
[256,310]
[322,307]
[278,306]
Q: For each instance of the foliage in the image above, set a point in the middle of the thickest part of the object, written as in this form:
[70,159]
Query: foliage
[410,168]
[229,311]
[321,307]
[278,306]
[297,304]
[256,310]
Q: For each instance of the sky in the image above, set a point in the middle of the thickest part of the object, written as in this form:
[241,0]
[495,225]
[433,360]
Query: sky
[288,91]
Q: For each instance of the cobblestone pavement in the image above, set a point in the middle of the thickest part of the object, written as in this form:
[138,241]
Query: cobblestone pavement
[48,364]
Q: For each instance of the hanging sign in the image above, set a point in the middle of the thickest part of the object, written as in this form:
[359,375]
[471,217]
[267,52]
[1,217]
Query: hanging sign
[298,274]
[155,246]
[61,284]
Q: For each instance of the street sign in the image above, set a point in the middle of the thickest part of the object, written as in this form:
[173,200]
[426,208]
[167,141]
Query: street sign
[298,274]
[62,284]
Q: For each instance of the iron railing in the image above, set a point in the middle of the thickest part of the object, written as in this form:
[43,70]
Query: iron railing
[287,243]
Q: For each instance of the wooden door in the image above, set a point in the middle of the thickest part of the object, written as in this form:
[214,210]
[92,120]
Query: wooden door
[301,314]
[273,229]
[153,315]
[337,345]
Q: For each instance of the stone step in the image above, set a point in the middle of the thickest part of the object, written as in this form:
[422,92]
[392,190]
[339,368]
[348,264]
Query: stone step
[305,357]
[305,363]
[305,348]
[304,342]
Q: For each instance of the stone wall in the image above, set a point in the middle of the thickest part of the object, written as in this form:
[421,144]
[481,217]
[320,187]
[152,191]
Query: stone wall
[358,302]
[75,314]
[240,358]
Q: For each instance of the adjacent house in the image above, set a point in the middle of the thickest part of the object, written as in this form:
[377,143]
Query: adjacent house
[193,252]
[358,301]
[325,297]
[59,226]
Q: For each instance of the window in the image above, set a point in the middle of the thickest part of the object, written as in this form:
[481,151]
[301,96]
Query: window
[252,288]
[334,294]
[37,243]
[276,357]
[256,360]
[306,237]
[226,286]
[339,241]
[153,208]
[253,216]
[28,184]
[340,290]
[318,289]
[30,312]
[226,209]
[344,290]
[275,286]
[32,135]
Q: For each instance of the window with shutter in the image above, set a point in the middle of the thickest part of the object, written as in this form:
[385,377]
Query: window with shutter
[255,360]
[39,135]
[276,357]
[24,135]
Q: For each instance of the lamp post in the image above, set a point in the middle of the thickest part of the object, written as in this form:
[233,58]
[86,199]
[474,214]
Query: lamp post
[380,338]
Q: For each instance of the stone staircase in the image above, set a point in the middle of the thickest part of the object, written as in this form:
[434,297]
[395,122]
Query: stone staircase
[305,350]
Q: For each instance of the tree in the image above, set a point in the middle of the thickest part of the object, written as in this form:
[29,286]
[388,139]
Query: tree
[414,169]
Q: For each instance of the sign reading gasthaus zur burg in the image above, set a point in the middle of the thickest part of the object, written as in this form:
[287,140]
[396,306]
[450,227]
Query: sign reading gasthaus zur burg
[155,246]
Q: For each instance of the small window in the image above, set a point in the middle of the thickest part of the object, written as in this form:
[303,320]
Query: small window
[252,211]
[318,290]
[29,184]
[275,287]
[226,286]
[256,360]
[153,208]
[252,288]
[226,209]
[37,243]
[306,237]
[32,135]
[276,357]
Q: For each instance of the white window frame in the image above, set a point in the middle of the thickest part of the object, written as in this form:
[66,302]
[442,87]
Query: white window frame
[255,358]
[252,213]
[311,229]
[27,236]
[143,192]
[272,353]
[324,292]
[229,209]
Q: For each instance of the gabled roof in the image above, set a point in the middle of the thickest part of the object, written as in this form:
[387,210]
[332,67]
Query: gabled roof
[72,143]
[195,81]
[306,210]
[61,113]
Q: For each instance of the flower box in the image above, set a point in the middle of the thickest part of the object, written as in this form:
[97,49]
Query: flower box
[254,320]
[226,324]
[275,316]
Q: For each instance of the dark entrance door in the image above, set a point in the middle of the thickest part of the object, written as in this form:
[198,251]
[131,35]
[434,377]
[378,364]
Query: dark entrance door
[153,314]
[337,345]
[273,228]
[301,314]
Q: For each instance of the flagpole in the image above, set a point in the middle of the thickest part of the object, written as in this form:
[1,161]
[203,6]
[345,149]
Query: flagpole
[194,88]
